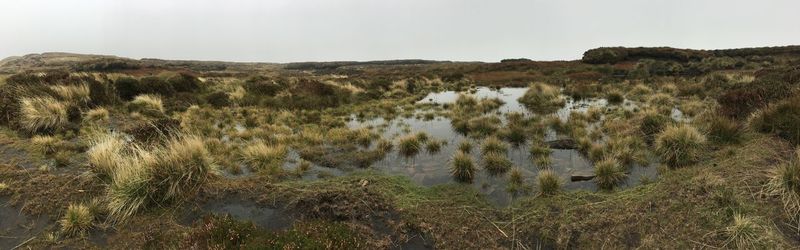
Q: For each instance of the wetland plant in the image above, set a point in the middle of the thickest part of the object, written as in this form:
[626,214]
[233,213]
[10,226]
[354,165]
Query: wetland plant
[409,145]
[263,157]
[680,145]
[609,173]
[496,163]
[542,98]
[465,146]
[493,145]
[463,167]
[548,183]
[434,146]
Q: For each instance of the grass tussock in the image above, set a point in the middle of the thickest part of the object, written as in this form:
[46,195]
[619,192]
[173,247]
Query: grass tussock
[96,115]
[409,145]
[263,157]
[106,155]
[541,97]
[142,178]
[47,144]
[75,94]
[609,173]
[680,145]
[462,167]
[465,146]
[42,114]
[548,183]
[493,145]
[746,233]
[496,163]
[782,119]
[150,105]
[77,220]
[785,183]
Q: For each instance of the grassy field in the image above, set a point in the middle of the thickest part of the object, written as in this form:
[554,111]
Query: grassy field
[627,148]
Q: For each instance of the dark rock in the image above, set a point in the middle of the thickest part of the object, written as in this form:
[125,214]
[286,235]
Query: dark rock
[562,144]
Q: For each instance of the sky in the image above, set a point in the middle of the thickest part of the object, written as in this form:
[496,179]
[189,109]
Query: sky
[331,30]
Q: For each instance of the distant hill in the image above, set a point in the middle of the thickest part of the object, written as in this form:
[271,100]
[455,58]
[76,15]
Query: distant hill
[620,54]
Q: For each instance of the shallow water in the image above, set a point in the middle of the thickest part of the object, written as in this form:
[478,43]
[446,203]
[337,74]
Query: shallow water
[15,227]
[432,169]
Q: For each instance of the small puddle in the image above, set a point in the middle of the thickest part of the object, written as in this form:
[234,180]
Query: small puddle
[271,219]
[15,227]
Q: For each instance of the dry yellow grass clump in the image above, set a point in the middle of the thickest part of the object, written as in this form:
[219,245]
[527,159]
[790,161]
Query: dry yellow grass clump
[263,157]
[140,177]
[150,105]
[42,113]
[76,94]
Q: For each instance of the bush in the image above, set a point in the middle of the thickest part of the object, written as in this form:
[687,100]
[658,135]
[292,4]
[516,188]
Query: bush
[42,114]
[782,119]
[680,145]
[615,97]
[463,167]
[218,99]
[739,103]
[127,88]
[183,82]
[102,93]
[260,85]
[155,85]
[609,173]
[548,182]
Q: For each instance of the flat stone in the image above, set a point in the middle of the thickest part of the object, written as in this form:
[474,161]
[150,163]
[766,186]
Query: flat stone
[581,176]
[562,144]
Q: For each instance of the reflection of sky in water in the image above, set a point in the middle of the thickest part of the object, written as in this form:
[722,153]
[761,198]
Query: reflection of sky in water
[431,169]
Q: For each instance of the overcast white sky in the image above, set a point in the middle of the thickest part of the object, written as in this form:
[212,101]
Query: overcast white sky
[326,30]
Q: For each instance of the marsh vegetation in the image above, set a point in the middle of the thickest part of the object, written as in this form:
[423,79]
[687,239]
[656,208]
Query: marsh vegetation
[644,149]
